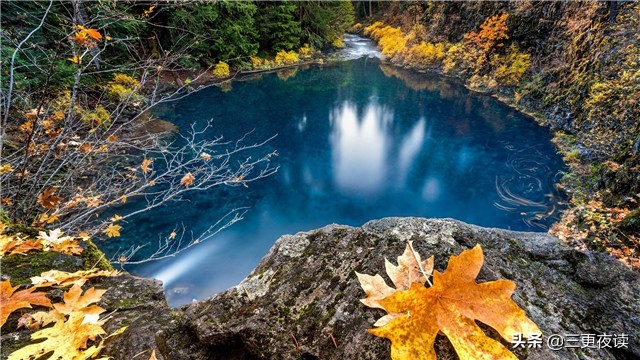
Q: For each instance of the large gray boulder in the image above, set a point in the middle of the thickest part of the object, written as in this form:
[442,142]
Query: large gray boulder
[302,299]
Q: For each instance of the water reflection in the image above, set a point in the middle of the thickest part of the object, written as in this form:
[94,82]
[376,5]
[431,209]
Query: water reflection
[356,141]
[359,147]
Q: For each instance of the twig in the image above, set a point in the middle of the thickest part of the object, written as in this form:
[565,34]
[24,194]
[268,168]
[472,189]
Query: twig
[296,342]
[418,261]
[246,292]
[334,340]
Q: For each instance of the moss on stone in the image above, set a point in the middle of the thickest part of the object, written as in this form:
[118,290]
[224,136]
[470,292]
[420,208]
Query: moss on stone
[21,267]
[94,257]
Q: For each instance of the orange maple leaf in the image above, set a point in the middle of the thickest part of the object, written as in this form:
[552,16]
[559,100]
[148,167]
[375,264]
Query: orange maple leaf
[187,179]
[145,165]
[24,246]
[75,301]
[48,200]
[70,247]
[12,300]
[451,307]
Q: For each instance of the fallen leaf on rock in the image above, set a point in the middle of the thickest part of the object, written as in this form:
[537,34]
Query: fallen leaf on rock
[76,302]
[63,278]
[451,307]
[66,340]
[12,300]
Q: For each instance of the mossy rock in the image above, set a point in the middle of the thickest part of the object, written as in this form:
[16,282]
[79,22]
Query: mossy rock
[21,267]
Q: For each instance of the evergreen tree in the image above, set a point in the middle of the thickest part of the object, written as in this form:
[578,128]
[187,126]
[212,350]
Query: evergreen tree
[324,21]
[278,27]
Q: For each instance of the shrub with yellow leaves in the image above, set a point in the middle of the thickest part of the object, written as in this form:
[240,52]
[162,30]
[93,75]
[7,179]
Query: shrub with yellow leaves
[123,88]
[306,52]
[511,67]
[286,58]
[221,70]
[426,54]
[99,117]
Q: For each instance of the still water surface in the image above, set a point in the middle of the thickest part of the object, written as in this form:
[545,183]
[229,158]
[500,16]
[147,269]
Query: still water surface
[357,140]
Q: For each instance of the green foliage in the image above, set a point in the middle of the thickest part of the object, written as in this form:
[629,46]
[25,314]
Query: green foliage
[277,26]
[223,30]
[324,21]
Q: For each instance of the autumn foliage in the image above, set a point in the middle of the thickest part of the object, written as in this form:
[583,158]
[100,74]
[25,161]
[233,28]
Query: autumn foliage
[482,55]
[451,306]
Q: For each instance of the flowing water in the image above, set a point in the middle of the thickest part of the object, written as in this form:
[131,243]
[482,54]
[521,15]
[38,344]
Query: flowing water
[357,140]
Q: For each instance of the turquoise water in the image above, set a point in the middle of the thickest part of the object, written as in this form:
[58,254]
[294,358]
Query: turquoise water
[357,141]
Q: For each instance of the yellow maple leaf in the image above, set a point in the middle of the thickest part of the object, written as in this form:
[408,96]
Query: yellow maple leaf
[205,156]
[12,300]
[187,179]
[112,230]
[5,168]
[451,307]
[66,340]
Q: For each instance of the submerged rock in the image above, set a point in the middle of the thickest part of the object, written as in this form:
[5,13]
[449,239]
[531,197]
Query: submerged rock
[302,299]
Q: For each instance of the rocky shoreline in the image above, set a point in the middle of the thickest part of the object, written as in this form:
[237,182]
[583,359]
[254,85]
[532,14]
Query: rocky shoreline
[302,300]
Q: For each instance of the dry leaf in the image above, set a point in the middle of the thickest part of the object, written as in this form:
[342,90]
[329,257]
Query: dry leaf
[13,244]
[112,230]
[153,355]
[44,318]
[145,165]
[5,168]
[63,278]
[408,271]
[76,302]
[48,200]
[66,340]
[70,247]
[12,300]
[22,246]
[187,179]
[451,306]
[85,148]
[93,201]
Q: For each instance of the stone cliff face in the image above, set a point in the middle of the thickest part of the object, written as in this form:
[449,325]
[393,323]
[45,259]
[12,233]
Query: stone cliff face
[304,295]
